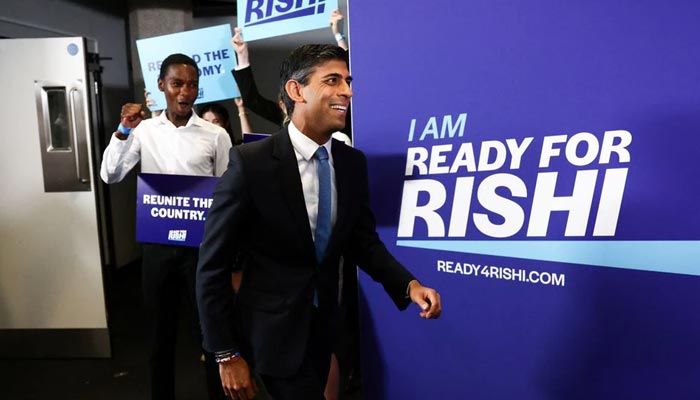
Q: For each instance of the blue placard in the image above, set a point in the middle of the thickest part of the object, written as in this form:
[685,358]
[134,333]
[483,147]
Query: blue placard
[211,50]
[539,168]
[171,209]
[254,137]
[261,19]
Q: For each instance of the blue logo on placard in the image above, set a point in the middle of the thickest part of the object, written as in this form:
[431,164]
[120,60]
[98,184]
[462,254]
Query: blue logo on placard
[200,95]
[264,11]
[177,235]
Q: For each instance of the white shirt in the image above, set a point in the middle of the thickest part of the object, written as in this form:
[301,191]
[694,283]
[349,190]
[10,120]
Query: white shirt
[304,148]
[198,148]
[342,137]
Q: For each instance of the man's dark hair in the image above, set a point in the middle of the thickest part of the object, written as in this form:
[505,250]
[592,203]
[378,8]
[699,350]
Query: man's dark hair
[301,63]
[175,59]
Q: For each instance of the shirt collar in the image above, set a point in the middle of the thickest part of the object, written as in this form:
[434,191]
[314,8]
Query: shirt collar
[194,120]
[304,146]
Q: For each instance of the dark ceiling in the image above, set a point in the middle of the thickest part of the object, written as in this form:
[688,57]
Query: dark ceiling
[213,8]
[200,8]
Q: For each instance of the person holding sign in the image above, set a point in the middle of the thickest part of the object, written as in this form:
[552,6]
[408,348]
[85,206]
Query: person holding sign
[268,109]
[335,22]
[177,142]
[292,205]
[274,111]
[243,116]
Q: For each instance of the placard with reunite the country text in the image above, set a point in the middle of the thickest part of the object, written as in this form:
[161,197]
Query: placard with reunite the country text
[171,209]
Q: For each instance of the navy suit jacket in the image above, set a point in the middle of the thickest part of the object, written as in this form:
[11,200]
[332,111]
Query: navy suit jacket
[258,216]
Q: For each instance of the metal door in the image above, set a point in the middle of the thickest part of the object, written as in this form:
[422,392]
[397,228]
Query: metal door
[51,287]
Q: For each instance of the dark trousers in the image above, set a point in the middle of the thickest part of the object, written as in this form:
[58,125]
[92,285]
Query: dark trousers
[309,381]
[168,276]
[348,346]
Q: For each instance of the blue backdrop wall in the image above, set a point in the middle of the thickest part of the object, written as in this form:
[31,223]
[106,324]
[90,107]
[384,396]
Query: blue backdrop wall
[537,163]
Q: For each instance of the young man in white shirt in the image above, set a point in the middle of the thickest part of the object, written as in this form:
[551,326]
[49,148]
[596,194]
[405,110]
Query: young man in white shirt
[177,142]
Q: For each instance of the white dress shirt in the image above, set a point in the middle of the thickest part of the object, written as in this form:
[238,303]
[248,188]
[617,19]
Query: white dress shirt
[198,148]
[304,148]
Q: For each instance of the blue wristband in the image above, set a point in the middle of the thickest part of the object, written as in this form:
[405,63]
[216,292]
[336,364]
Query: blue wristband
[123,129]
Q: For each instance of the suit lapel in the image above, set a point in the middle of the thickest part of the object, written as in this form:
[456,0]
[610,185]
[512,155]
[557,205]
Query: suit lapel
[288,174]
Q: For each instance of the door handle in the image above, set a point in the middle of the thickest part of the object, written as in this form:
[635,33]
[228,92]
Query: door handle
[74,127]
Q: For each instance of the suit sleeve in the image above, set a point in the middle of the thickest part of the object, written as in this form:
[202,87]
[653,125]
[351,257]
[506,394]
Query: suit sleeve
[225,221]
[253,100]
[370,253]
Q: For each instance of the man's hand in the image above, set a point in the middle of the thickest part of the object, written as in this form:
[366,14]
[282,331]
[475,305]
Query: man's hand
[235,379]
[427,299]
[241,48]
[132,115]
[336,18]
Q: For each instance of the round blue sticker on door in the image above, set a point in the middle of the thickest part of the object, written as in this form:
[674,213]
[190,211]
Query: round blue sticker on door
[73,49]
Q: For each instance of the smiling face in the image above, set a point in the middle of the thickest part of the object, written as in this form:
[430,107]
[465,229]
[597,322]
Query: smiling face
[321,104]
[181,87]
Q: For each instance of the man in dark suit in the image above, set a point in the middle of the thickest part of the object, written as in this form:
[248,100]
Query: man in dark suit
[287,209]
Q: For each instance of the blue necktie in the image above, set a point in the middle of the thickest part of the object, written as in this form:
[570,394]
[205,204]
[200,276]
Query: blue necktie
[323,220]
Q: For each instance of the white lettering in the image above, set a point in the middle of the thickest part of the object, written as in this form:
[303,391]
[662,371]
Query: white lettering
[410,210]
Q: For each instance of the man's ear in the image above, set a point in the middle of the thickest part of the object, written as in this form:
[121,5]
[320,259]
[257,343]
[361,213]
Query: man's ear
[294,91]
[161,85]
